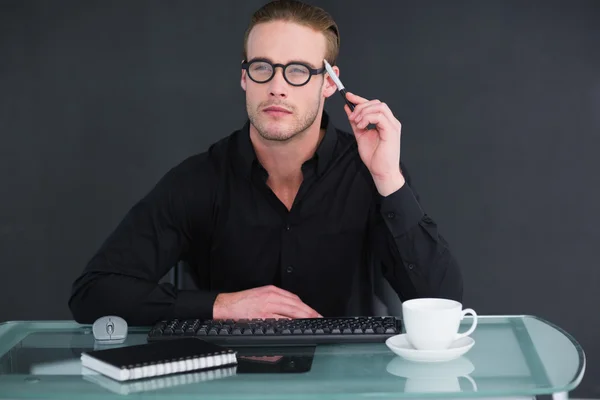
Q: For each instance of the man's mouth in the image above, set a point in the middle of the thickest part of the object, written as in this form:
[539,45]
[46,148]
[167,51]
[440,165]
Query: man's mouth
[276,110]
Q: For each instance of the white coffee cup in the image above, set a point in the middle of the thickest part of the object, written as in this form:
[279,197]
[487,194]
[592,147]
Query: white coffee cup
[432,323]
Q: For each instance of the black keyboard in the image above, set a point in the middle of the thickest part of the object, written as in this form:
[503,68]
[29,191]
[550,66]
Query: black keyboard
[280,331]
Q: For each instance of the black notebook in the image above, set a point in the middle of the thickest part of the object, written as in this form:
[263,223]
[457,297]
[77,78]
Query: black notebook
[159,358]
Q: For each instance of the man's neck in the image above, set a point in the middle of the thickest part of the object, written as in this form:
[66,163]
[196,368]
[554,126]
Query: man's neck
[283,160]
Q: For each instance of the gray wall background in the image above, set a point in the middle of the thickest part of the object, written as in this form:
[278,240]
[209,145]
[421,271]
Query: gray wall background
[499,100]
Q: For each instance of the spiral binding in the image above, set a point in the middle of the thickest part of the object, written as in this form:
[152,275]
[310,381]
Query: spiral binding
[183,364]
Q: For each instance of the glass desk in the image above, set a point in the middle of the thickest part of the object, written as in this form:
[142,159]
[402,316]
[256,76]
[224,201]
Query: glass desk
[513,356]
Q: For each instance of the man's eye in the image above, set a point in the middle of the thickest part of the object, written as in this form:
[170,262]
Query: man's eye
[298,71]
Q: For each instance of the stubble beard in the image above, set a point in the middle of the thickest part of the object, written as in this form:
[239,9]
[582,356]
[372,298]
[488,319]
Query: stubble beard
[270,129]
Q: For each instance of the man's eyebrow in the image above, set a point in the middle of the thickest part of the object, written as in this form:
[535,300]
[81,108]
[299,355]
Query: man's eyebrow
[260,59]
[304,62]
[289,62]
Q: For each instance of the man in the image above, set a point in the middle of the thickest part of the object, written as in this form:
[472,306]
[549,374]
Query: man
[276,219]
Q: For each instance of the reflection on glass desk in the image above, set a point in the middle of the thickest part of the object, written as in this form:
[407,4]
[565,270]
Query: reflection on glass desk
[515,356]
[159,383]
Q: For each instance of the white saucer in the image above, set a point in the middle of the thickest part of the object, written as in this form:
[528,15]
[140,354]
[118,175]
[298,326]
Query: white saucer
[399,344]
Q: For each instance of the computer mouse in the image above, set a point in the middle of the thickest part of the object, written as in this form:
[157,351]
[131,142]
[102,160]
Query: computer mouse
[110,329]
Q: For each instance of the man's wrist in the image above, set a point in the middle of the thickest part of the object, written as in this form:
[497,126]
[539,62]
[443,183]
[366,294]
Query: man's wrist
[388,185]
[401,211]
[218,307]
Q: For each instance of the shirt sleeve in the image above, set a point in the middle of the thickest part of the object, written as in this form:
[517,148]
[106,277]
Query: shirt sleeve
[407,244]
[122,278]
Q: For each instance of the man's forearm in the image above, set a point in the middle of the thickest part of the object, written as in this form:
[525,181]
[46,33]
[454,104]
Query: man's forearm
[138,301]
[423,265]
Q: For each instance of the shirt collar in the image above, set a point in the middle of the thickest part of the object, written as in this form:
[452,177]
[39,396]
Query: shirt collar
[324,153]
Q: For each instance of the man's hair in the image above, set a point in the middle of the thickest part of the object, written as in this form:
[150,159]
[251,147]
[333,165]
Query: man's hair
[302,14]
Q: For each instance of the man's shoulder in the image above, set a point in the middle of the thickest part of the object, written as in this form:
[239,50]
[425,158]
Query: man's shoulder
[207,161]
[203,167]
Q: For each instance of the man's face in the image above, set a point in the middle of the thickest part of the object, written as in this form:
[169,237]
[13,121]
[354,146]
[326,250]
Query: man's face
[282,42]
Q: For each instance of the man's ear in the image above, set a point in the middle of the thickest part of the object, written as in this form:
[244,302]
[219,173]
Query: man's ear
[243,80]
[329,87]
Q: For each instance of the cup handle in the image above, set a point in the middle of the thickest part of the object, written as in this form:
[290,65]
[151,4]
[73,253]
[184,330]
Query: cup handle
[467,377]
[473,326]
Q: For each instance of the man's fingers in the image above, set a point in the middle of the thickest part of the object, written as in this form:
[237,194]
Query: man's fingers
[283,296]
[288,311]
[380,121]
[363,105]
[360,103]
[355,99]
[374,115]
[375,108]
[278,316]
[297,301]
[348,110]
[294,309]
[360,109]
[284,293]
[307,310]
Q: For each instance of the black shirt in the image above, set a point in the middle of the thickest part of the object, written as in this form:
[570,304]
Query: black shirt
[215,211]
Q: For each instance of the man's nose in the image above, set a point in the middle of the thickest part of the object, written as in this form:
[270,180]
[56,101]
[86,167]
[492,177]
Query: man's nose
[278,87]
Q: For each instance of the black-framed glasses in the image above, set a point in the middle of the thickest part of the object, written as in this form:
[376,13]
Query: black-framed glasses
[295,73]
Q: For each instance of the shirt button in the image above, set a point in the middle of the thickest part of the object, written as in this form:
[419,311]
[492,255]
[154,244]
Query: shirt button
[391,215]
[287,227]
[411,266]
[289,269]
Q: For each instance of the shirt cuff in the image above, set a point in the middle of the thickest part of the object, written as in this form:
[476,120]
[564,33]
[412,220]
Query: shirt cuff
[401,211]
[194,304]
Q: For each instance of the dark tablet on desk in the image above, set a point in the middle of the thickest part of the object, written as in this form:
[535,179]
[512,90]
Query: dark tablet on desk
[270,359]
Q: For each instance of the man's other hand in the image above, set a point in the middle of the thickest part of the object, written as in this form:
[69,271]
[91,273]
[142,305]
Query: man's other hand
[262,302]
